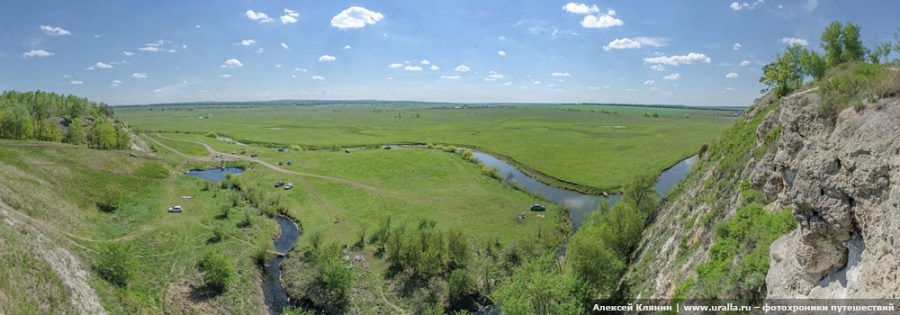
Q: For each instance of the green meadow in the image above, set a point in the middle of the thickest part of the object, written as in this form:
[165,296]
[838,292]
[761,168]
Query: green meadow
[584,147]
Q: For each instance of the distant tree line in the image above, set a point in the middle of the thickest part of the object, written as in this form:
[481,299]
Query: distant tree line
[54,117]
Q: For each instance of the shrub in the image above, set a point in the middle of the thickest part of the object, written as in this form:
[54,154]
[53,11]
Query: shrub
[261,253]
[116,264]
[217,271]
[109,201]
[218,235]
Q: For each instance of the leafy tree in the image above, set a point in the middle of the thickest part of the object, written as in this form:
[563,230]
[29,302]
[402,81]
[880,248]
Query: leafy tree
[116,264]
[461,289]
[880,53]
[594,260]
[217,271]
[75,134]
[333,280]
[853,49]
[832,44]
[16,123]
[784,74]
[539,286]
[458,249]
[103,136]
[48,130]
[812,64]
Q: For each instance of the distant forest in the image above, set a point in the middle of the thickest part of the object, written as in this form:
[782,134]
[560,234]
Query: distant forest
[54,117]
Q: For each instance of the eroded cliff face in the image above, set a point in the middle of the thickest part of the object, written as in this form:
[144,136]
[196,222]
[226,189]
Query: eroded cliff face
[842,179]
[840,176]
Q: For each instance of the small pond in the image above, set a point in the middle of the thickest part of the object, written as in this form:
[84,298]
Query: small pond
[216,174]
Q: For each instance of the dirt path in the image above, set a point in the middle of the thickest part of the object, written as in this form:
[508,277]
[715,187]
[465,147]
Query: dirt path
[63,263]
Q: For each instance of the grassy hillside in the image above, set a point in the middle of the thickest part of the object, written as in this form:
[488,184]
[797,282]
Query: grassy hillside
[598,147]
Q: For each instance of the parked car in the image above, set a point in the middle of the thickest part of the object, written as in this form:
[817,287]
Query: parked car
[175,209]
[288,186]
[279,184]
[537,207]
[254,155]
[289,162]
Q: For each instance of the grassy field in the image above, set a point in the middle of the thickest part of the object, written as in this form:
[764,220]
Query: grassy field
[596,147]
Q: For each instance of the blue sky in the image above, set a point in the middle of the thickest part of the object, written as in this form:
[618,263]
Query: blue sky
[660,52]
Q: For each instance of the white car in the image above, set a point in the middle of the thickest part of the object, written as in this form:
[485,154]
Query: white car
[288,186]
[175,209]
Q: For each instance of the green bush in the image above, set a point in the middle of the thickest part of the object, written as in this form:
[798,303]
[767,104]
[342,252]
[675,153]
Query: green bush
[109,201]
[116,264]
[217,271]
[261,253]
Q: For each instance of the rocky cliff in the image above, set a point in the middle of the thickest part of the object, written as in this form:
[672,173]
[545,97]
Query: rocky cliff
[837,176]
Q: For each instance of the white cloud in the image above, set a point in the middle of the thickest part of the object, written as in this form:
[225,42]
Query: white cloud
[690,58]
[425,62]
[300,69]
[622,43]
[396,65]
[601,21]
[501,38]
[736,46]
[794,41]
[347,47]
[100,65]
[658,67]
[128,53]
[729,89]
[434,68]
[247,42]
[258,16]
[745,62]
[507,83]
[412,68]
[37,53]
[732,75]
[593,88]
[673,76]
[536,82]
[810,5]
[650,83]
[225,76]
[285,46]
[260,50]
[232,63]
[75,82]
[737,6]
[450,77]
[55,30]
[149,48]
[462,68]
[139,75]
[580,8]
[318,77]
[115,83]
[560,74]
[290,16]
[355,17]
[327,58]
[501,53]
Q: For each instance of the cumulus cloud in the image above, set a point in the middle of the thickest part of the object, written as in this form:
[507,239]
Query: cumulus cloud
[673,76]
[450,77]
[425,62]
[412,68]
[396,65]
[289,17]
[115,83]
[139,75]
[637,42]
[55,30]
[232,63]
[690,58]
[507,83]
[737,6]
[434,68]
[347,47]
[745,62]
[794,41]
[327,58]
[650,83]
[225,76]
[736,46]
[285,46]
[128,53]
[258,16]
[601,20]
[462,68]
[149,49]
[658,67]
[732,75]
[355,17]
[247,42]
[580,8]
[318,77]
[100,65]
[37,53]
[560,74]
[501,53]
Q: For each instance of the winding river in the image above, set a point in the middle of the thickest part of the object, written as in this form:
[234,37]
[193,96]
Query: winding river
[578,204]
[289,233]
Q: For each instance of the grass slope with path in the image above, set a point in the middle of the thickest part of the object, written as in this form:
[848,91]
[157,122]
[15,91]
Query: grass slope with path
[594,147]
